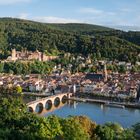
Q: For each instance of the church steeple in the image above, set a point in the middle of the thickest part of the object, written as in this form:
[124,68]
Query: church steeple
[13,55]
[105,73]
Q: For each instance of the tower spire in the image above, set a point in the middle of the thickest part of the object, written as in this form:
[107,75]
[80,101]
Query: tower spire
[105,73]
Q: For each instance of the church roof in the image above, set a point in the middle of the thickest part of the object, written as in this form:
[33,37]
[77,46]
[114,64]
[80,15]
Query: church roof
[94,77]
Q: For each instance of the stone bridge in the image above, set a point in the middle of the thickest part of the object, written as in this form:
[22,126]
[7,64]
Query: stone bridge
[48,102]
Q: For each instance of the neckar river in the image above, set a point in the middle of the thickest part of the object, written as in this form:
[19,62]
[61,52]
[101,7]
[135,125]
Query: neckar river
[99,113]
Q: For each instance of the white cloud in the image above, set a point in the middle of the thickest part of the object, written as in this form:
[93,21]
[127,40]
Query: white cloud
[48,19]
[94,11]
[136,20]
[52,19]
[90,11]
[126,10]
[97,16]
[109,18]
[8,2]
[23,16]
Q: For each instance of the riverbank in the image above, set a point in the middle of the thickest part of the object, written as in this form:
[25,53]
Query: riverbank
[126,104]
[100,96]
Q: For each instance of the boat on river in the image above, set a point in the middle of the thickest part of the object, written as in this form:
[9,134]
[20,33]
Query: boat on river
[109,104]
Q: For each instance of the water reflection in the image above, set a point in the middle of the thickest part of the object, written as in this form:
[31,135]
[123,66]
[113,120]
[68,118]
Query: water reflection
[51,108]
[98,112]
[72,104]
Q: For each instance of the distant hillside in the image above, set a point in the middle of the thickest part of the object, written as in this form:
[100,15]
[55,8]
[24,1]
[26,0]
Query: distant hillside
[97,41]
[90,29]
[79,27]
[131,36]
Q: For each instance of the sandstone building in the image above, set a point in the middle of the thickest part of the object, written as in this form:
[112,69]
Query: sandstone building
[28,55]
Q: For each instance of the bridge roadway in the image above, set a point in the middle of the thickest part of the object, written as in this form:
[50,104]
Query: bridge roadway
[37,94]
[47,103]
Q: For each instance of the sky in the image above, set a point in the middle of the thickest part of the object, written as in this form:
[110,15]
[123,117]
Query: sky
[113,13]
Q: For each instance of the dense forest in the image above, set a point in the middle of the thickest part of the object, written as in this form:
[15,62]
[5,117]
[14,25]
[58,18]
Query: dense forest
[84,39]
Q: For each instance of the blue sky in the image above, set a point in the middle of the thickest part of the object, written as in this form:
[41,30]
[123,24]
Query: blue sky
[101,12]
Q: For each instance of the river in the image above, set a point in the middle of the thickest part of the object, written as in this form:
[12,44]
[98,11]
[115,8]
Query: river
[99,113]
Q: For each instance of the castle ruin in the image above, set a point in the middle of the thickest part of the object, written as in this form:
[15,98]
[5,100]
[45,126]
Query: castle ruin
[28,56]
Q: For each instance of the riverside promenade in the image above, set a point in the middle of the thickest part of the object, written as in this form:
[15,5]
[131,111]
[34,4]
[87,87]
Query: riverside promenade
[126,104]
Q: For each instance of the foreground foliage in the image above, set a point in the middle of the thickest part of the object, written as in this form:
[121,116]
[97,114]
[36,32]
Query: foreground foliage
[17,124]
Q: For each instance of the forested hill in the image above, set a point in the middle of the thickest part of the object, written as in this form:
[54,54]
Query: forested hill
[79,27]
[96,41]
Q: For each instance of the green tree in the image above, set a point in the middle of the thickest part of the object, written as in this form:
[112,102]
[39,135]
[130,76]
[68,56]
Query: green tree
[104,132]
[127,134]
[136,129]
[134,69]
[18,89]
[72,130]
[1,67]
[122,69]
[11,110]
[87,125]
[54,127]
[117,128]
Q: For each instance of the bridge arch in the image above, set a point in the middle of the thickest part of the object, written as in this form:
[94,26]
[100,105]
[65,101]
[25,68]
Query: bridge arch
[39,108]
[57,101]
[30,109]
[64,99]
[48,105]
